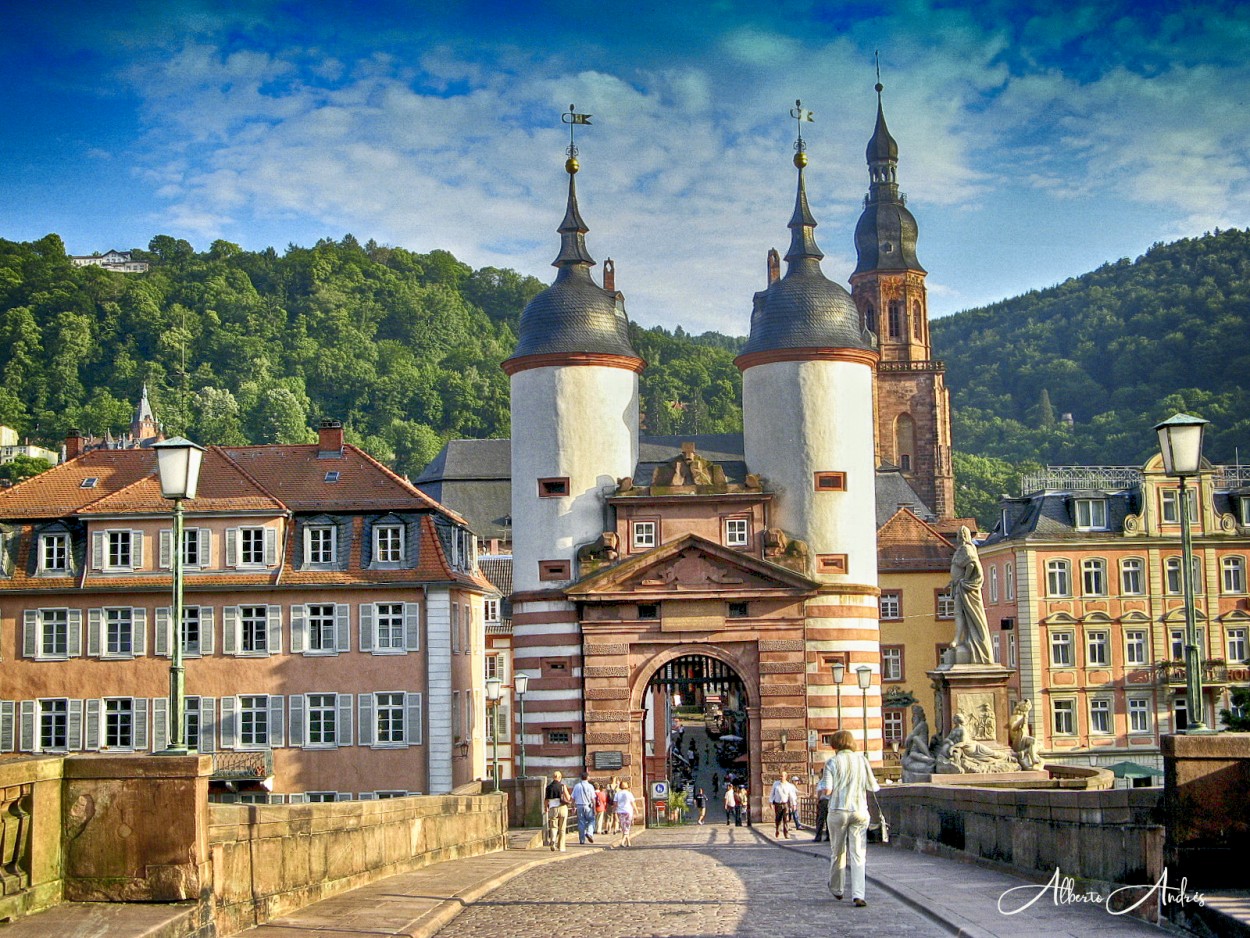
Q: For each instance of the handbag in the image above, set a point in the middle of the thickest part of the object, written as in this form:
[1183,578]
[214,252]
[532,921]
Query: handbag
[879,833]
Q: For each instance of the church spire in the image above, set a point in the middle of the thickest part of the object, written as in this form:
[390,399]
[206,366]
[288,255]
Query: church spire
[803,248]
[573,229]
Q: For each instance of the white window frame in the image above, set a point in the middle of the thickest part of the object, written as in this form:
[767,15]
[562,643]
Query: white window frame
[233,633]
[116,550]
[1097,648]
[1140,715]
[1176,642]
[1063,716]
[945,605]
[1062,640]
[1011,649]
[891,662]
[1233,574]
[490,610]
[234,714]
[1170,510]
[737,532]
[1058,578]
[891,605]
[643,535]
[388,553]
[36,623]
[370,634]
[196,548]
[1101,716]
[99,632]
[204,619]
[1132,576]
[332,638]
[407,735]
[1237,645]
[994,584]
[1010,577]
[1090,514]
[55,542]
[1173,582]
[252,547]
[129,713]
[321,545]
[1093,577]
[1136,647]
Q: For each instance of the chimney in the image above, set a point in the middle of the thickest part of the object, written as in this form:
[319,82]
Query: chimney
[73,444]
[774,266]
[330,439]
[609,275]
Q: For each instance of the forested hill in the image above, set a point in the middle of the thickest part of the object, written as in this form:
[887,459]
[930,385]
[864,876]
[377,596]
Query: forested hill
[253,347]
[1119,349]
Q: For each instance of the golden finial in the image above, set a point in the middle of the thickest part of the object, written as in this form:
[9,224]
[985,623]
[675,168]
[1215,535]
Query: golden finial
[571,165]
[800,114]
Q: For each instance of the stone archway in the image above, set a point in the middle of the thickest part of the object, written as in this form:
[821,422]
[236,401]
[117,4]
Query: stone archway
[696,722]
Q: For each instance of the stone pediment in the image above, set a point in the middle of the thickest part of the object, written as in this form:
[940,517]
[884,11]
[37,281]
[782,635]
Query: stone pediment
[691,566]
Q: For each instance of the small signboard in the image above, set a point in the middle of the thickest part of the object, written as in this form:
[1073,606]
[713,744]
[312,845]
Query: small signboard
[609,761]
[659,791]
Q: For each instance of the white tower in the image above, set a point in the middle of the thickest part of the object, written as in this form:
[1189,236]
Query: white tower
[807,417]
[574,383]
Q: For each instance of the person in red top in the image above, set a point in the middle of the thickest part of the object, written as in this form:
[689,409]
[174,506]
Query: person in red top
[601,809]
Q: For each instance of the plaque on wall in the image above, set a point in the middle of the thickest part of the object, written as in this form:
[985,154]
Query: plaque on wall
[609,760]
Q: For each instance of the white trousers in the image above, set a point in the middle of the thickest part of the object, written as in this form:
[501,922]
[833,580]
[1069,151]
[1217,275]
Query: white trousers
[848,834]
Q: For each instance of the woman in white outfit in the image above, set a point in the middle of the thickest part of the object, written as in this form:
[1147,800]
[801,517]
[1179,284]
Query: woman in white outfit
[848,778]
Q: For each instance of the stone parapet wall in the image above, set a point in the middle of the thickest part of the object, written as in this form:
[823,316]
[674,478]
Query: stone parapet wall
[270,859]
[30,834]
[1099,838]
[1207,780]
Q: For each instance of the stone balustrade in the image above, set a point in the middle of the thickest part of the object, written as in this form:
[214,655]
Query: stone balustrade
[1101,838]
[271,859]
[30,834]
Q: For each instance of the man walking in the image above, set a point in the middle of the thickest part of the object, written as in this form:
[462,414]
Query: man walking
[782,794]
[584,802]
[558,800]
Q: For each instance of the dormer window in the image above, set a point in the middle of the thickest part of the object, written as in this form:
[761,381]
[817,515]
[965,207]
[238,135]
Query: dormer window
[1171,505]
[89,482]
[54,553]
[1091,514]
[332,475]
[1245,510]
[319,544]
[388,543]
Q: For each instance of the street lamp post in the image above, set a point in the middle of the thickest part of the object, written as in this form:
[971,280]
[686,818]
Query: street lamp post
[494,688]
[522,684]
[839,672]
[863,674]
[178,464]
[1180,442]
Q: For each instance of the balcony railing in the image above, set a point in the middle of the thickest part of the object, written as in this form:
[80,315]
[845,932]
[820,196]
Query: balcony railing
[937,366]
[1077,478]
[242,766]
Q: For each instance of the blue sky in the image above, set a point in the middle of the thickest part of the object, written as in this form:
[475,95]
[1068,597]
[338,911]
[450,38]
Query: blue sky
[1037,139]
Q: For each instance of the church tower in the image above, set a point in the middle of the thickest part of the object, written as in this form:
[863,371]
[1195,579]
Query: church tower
[574,405]
[807,388]
[912,402]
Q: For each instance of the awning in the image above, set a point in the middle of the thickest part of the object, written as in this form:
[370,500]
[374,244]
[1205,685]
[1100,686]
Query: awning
[1132,770]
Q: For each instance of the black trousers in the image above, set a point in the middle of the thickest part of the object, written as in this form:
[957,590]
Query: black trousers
[822,819]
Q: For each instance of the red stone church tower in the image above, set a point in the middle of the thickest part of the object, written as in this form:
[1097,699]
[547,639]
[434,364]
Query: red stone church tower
[912,427]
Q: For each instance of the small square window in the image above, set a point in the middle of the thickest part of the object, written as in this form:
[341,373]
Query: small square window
[332,475]
[945,605]
[559,737]
[739,610]
[88,483]
[831,563]
[553,488]
[643,534]
[737,532]
[831,482]
[648,610]
[553,569]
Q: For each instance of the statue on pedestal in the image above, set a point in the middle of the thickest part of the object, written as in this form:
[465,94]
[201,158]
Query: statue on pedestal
[972,633]
[960,753]
[917,759]
[1023,744]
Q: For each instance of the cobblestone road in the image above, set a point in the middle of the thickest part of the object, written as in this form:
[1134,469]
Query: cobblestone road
[681,882]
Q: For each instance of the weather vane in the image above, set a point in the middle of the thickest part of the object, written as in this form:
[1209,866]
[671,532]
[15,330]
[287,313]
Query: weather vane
[571,118]
[800,114]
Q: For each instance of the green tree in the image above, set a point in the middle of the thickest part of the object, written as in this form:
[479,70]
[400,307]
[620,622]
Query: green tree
[22,467]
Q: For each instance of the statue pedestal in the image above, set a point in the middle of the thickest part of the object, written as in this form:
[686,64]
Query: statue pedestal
[979,692]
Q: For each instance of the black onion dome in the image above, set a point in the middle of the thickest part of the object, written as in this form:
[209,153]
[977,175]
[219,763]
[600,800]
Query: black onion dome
[805,309]
[885,237]
[574,314]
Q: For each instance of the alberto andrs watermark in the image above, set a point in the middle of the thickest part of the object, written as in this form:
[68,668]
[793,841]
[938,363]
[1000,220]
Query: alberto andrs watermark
[1062,890]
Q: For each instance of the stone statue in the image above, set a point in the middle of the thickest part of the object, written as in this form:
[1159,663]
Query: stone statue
[1026,748]
[983,724]
[917,759]
[972,633]
[961,754]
